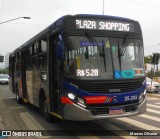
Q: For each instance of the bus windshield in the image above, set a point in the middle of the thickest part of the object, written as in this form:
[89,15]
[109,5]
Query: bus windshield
[87,59]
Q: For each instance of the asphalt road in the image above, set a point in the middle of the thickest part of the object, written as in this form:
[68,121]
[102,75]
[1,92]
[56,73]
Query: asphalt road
[26,117]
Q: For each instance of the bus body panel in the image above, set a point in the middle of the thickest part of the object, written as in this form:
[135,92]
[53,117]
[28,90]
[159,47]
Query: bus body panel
[34,86]
[98,105]
[75,112]
[29,79]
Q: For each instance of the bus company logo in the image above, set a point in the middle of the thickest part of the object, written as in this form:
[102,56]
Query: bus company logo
[114,90]
[111,99]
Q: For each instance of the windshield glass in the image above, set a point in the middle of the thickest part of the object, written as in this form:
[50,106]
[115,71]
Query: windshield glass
[86,59]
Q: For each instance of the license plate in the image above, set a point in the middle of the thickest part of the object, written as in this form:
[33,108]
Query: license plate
[115,111]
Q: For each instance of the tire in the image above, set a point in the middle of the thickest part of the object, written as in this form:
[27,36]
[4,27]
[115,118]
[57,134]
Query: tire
[45,112]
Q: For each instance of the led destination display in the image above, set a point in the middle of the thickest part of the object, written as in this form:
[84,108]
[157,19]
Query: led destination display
[98,24]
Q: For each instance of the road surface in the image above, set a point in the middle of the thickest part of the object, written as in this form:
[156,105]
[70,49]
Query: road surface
[26,117]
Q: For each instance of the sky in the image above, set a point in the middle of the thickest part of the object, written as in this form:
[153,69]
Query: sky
[44,12]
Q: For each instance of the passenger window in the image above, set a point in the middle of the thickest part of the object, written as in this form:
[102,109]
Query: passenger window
[29,58]
[43,61]
[43,45]
[35,48]
[30,51]
[36,62]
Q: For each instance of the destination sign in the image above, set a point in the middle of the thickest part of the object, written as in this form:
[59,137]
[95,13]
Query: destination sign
[97,24]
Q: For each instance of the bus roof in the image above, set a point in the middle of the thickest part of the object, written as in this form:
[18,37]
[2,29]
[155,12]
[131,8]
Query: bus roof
[98,16]
[62,19]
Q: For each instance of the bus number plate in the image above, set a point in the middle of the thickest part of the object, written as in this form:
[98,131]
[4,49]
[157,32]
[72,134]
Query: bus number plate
[115,111]
[131,98]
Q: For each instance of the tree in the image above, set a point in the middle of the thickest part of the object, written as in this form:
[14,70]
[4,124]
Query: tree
[147,60]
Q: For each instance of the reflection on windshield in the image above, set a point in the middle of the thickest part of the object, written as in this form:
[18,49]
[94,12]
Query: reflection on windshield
[131,63]
[123,45]
[83,60]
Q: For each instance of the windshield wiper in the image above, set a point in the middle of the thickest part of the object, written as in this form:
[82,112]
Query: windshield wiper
[104,58]
[101,51]
[119,55]
[124,45]
[92,39]
[122,49]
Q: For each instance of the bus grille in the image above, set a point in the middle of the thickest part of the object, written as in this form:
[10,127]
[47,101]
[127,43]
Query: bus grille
[110,87]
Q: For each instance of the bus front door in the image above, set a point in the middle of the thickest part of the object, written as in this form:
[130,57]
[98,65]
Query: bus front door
[55,77]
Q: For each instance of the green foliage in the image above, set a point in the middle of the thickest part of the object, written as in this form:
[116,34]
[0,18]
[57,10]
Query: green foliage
[156,74]
[4,71]
[148,59]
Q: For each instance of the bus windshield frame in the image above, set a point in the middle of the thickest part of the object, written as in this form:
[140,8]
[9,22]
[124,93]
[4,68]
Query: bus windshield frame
[101,59]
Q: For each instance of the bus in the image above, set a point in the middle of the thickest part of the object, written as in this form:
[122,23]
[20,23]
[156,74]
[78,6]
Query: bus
[82,67]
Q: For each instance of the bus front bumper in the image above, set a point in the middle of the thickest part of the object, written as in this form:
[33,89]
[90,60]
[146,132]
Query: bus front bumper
[77,113]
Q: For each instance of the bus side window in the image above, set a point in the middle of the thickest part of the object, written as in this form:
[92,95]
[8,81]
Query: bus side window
[43,61]
[43,44]
[35,48]
[43,53]
[35,55]
[18,57]
[35,62]
[29,58]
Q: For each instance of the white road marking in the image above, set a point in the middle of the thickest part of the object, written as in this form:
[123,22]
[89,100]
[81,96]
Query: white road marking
[157,119]
[153,111]
[151,98]
[32,123]
[155,106]
[116,130]
[139,124]
[157,103]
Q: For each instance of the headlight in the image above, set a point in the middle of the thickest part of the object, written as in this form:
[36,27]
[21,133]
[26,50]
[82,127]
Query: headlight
[76,99]
[71,96]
